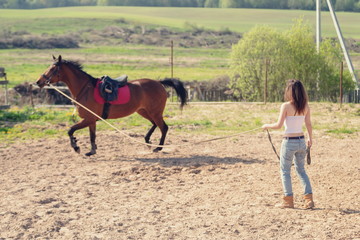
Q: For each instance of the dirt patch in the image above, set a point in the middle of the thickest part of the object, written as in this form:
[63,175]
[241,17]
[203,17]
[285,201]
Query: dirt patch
[217,190]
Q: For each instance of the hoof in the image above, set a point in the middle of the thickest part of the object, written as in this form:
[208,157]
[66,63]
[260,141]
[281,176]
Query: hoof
[149,147]
[158,149]
[90,153]
[77,149]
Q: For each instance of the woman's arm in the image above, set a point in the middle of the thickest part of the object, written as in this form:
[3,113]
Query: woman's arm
[308,126]
[280,121]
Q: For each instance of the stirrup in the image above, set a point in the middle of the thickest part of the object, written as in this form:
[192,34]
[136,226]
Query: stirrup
[108,90]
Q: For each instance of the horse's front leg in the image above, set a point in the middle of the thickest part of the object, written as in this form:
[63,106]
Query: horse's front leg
[73,141]
[92,129]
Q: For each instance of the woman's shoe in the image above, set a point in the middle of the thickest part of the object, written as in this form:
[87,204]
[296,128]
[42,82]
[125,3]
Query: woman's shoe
[309,203]
[288,202]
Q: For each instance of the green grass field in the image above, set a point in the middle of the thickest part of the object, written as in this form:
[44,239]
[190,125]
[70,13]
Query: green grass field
[57,20]
[138,61]
[23,65]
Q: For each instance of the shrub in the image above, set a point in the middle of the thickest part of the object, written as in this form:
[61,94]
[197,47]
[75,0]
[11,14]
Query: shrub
[35,42]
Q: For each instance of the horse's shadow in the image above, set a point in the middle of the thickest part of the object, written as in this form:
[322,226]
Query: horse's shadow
[198,161]
[349,211]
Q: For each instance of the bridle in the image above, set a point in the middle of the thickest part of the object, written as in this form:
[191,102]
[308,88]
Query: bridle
[53,73]
[57,72]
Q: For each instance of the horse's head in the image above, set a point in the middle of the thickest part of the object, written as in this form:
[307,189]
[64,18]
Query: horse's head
[52,74]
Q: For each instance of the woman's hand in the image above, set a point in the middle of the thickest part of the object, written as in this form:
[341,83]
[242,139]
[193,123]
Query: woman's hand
[309,143]
[265,126]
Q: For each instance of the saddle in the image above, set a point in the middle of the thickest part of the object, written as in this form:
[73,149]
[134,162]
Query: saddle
[108,87]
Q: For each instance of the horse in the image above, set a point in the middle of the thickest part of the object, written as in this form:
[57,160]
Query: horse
[147,98]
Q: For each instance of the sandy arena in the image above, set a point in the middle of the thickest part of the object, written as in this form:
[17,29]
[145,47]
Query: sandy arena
[224,189]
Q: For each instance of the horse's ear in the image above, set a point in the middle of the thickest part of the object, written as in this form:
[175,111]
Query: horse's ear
[59,58]
[54,58]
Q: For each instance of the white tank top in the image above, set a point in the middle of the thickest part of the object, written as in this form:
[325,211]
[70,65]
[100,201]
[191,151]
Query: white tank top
[293,124]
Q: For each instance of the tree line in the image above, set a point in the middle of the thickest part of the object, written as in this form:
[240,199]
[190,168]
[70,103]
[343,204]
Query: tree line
[339,5]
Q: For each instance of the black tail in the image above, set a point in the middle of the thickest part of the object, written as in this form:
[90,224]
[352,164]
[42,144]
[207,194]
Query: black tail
[179,88]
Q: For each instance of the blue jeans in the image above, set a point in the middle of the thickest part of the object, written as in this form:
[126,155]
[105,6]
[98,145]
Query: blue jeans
[293,149]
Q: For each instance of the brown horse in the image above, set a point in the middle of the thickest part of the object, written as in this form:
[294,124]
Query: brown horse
[147,98]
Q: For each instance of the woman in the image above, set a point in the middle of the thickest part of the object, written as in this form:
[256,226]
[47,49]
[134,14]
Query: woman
[293,114]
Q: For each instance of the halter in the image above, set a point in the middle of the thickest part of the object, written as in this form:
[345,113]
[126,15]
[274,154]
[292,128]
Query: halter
[56,71]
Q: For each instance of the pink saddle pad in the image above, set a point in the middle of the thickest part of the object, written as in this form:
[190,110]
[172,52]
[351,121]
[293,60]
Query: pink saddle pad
[123,95]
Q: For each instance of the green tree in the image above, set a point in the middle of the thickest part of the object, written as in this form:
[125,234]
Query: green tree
[302,56]
[228,4]
[200,3]
[345,5]
[87,2]
[16,4]
[291,54]
[302,4]
[101,2]
[332,56]
[3,3]
[211,4]
[281,4]
[357,7]
[248,62]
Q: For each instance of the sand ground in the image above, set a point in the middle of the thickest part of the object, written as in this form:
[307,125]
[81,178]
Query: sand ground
[224,189]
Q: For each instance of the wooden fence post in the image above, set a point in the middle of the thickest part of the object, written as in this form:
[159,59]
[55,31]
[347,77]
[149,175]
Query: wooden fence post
[172,65]
[31,96]
[5,83]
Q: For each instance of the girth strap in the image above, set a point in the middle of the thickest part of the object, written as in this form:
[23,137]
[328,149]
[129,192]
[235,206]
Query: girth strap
[105,113]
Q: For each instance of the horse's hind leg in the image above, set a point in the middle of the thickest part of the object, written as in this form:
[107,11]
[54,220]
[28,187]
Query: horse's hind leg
[145,115]
[150,132]
[157,121]
[163,128]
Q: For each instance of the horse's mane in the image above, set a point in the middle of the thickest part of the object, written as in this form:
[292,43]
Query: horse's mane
[74,64]
[78,66]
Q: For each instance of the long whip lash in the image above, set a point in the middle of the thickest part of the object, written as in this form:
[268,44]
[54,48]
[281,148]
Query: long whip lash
[273,147]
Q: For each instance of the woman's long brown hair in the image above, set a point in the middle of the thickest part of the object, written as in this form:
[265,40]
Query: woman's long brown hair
[296,94]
